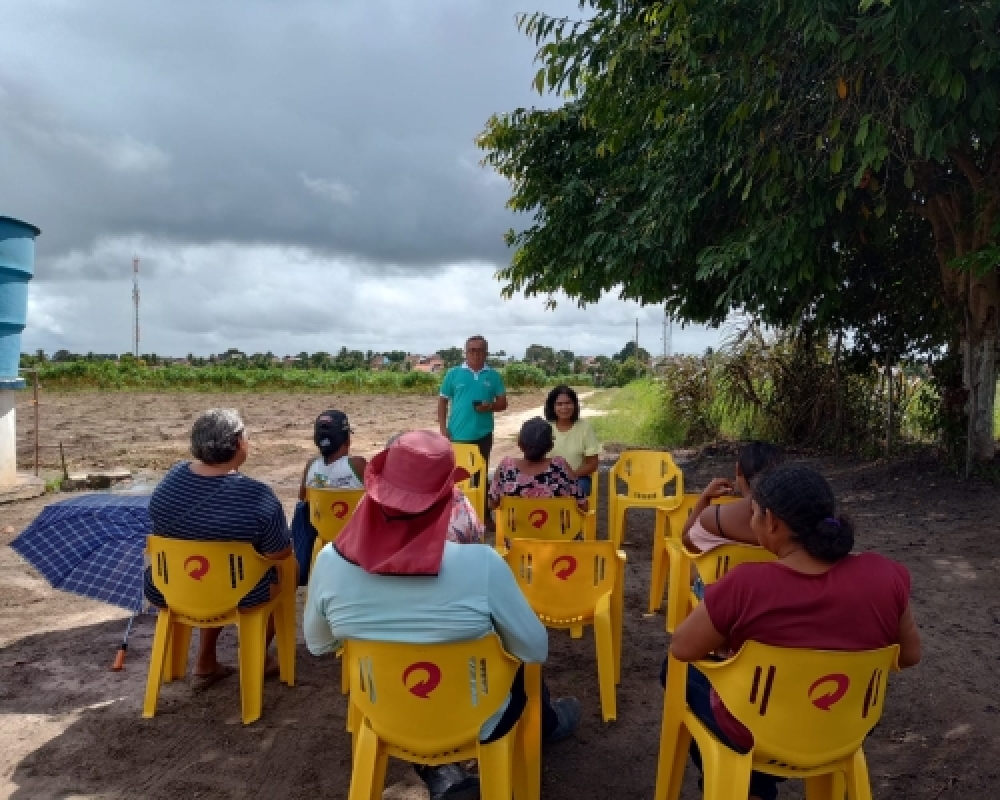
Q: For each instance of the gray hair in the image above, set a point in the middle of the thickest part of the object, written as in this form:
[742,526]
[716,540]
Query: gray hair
[215,435]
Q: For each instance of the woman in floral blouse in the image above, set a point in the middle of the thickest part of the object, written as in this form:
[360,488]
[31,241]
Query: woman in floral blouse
[535,475]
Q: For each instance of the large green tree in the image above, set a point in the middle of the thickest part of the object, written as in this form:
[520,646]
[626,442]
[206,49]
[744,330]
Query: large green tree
[834,161]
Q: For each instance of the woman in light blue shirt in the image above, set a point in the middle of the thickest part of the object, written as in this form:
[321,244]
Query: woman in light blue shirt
[392,576]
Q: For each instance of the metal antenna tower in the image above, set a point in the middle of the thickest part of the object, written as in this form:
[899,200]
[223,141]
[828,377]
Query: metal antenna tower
[135,306]
[668,334]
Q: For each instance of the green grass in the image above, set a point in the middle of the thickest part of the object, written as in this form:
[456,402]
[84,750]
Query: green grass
[138,377]
[638,414]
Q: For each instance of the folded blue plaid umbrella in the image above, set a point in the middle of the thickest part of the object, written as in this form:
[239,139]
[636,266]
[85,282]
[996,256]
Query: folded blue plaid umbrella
[91,545]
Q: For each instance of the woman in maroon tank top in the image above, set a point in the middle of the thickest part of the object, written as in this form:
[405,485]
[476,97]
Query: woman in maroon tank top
[817,594]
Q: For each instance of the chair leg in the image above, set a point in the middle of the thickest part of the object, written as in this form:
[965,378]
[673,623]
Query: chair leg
[604,638]
[727,773]
[675,739]
[678,592]
[576,632]
[252,632]
[496,771]
[658,580]
[157,661]
[858,783]
[528,757]
[284,621]
[821,787]
[178,650]
[617,620]
[364,771]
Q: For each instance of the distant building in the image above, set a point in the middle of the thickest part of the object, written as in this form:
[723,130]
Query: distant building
[379,362]
[431,364]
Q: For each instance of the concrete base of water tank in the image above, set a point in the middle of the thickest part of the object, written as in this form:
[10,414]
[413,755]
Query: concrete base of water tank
[25,487]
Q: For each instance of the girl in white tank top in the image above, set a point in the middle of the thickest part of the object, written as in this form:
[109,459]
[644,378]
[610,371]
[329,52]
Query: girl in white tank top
[337,475]
[335,468]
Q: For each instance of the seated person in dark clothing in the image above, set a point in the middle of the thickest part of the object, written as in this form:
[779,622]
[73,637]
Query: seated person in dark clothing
[209,500]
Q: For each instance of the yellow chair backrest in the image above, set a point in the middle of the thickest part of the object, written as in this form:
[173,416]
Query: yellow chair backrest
[469,458]
[648,473]
[331,509]
[805,708]
[553,518]
[429,699]
[204,580]
[714,564]
[563,581]
[679,515]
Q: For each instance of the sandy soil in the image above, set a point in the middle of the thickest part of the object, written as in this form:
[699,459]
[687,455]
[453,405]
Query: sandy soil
[72,729]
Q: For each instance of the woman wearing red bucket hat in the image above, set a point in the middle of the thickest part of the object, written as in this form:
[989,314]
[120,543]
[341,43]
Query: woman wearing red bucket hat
[392,575]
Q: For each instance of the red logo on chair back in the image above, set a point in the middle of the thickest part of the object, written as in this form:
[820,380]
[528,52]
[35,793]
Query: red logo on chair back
[201,567]
[340,509]
[563,573]
[538,517]
[430,677]
[834,687]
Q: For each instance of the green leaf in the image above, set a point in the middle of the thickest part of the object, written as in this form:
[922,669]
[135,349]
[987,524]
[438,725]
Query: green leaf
[837,160]
[908,179]
[862,134]
[841,198]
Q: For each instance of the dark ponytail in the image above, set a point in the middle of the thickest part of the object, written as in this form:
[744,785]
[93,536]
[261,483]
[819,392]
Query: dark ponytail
[757,456]
[802,499]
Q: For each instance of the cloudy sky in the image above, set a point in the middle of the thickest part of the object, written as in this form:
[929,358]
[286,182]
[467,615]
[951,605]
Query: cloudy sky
[293,174]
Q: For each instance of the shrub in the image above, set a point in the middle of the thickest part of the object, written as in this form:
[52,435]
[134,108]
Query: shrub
[518,375]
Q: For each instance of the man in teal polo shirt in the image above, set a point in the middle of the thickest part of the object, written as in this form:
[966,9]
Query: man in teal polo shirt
[474,391]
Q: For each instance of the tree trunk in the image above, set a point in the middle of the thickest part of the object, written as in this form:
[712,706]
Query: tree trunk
[980,351]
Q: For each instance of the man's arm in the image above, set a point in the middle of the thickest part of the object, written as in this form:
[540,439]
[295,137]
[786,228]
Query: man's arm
[318,634]
[500,403]
[443,416]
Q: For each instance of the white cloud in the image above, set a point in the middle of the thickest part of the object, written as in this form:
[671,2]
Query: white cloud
[333,190]
[207,298]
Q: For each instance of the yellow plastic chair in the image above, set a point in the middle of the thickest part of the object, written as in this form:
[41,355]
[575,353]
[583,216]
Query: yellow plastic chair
[203,583]
[711,567]
[427,703]
[572,584]
[669,524]
[809,712]
[551,518]
[469,458]
[646,474]
[330,510]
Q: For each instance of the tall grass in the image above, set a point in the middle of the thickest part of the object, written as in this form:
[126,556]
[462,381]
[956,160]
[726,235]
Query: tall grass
[640,413]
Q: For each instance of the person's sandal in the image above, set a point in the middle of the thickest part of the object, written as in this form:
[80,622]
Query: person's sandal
[200,683]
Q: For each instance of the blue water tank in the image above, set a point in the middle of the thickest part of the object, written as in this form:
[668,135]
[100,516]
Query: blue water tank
[17,265]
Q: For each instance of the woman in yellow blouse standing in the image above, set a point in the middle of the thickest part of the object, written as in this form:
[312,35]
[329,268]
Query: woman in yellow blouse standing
[575,438]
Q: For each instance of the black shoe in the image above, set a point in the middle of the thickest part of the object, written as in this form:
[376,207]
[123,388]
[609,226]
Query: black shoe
[568,711]
[449,782]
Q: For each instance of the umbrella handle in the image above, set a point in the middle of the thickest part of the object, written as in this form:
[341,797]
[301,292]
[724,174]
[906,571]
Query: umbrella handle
[119,664]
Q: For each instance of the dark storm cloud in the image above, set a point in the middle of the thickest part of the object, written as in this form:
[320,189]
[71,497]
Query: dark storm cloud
[346,127]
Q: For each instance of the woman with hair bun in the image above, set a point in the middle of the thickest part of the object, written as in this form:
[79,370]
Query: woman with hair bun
[536,474]
[816,595]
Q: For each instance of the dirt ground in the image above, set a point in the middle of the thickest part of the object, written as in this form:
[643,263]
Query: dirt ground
[69,728]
